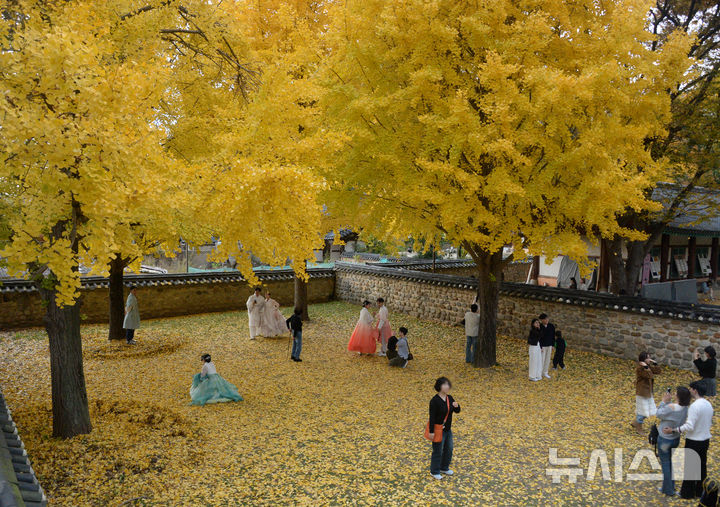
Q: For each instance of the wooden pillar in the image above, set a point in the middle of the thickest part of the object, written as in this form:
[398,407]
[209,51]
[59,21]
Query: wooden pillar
[692,256]
[714,251]
[664,257]
[604,268]
[535,270]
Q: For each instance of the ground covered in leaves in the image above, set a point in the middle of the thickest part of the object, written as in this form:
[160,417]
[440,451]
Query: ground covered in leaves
[334,429]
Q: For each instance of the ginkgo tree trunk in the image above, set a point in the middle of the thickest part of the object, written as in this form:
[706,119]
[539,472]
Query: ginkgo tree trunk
[507,123]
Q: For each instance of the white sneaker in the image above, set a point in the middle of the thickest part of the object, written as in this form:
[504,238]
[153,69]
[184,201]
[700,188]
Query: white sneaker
[381,354]
[534,380]
[546,375]
[131,342]
[437,476]
[447,472]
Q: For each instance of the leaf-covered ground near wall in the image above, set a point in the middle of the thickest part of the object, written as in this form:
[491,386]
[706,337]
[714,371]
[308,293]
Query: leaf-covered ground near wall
[335,429]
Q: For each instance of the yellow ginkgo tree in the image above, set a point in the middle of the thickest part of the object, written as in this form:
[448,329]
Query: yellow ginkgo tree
[107,148]
[493,124]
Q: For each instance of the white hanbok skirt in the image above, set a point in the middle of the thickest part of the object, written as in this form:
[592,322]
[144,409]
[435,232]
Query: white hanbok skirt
[645,406]
[535,363]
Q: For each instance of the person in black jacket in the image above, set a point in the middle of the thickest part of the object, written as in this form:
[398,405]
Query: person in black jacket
[546,343]
[442,407]
[560,344]
[294,324]
[707,369]
[392,348]
[535,364]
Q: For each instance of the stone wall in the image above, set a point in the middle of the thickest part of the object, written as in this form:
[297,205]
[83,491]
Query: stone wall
[593,322]
[159,296]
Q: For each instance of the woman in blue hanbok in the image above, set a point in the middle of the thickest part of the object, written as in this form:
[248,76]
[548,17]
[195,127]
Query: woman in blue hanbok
[209,387]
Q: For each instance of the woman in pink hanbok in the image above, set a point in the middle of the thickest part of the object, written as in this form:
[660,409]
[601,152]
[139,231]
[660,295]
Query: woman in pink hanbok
[273,322]
[365,335]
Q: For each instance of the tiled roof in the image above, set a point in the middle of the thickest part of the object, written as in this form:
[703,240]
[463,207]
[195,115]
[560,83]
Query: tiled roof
[98,282]
[591,299]
[699,215]
[18,484]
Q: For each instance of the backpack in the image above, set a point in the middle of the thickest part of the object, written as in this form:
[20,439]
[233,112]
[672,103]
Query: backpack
[653,436]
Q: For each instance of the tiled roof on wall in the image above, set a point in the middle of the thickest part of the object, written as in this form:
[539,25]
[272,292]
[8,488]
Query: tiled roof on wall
[99,282]
[591,299]
[18,484]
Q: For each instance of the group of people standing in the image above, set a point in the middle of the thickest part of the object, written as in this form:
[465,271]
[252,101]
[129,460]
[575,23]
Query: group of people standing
[265,319]
[372,330]
[690,414]
[543,338]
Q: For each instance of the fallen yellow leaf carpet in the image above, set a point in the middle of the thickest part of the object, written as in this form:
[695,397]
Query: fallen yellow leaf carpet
[335,429]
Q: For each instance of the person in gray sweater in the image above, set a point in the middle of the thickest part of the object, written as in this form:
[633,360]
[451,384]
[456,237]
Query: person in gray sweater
[403,350]
[671,415]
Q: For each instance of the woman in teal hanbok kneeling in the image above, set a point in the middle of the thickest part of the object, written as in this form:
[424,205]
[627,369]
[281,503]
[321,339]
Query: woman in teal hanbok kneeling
[209,387]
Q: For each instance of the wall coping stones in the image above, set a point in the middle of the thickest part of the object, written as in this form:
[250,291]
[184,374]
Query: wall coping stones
[425,264]
[18,484]
[99,282]
[630,304]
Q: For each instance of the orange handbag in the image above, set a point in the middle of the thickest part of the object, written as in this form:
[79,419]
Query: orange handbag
[438,430]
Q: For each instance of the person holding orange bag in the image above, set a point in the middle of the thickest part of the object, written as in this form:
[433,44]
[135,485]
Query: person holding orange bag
[439,428]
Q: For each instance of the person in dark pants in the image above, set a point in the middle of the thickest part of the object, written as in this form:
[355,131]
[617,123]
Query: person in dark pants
[559,357]
[402,354]
[294,324]
[707,369]
[392,348]
[442,407]
[697,438]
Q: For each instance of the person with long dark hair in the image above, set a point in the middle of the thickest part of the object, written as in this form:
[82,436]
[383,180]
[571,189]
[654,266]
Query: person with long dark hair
[535,366]
[364,336]
[707,369]
[442,407]
[671,415]
[209,387]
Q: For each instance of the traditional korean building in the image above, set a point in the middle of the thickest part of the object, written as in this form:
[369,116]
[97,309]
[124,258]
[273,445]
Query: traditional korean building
[687,249]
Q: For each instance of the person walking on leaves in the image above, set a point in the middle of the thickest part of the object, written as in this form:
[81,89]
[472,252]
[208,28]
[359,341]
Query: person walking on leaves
[439,429]
[132,316]
[255,306]
[294,324]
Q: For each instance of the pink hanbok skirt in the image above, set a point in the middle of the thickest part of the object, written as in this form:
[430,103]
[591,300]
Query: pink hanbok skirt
[363,339]
[384,333]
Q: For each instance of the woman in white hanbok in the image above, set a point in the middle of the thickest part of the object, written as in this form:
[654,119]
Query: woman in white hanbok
[272,322]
